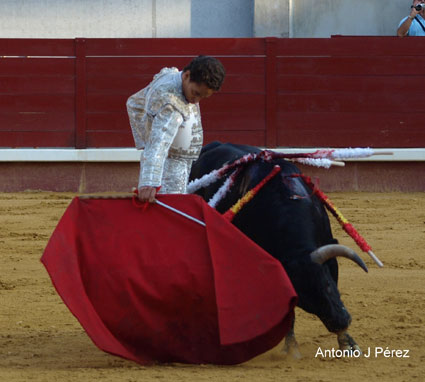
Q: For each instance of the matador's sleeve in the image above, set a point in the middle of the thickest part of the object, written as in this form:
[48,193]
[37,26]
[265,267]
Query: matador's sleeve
[165,126]
[136,112]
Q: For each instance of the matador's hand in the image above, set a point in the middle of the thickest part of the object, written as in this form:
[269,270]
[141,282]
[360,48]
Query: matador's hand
[147,194]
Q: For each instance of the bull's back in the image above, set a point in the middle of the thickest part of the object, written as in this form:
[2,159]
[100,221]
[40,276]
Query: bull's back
[216,154]
[285,199]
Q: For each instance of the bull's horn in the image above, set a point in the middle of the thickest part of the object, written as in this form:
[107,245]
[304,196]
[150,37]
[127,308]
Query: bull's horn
[322,254]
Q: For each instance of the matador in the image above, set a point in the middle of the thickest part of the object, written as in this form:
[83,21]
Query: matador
[166,123]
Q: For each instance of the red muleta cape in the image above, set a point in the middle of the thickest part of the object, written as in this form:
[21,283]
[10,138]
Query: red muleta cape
[153,286]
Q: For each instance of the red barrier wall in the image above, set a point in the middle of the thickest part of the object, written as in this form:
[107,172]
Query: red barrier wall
[340,91]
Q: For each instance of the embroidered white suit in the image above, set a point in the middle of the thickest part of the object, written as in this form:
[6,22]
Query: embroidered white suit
[169,130]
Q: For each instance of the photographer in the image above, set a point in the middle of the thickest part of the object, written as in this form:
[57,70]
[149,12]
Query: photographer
[414,24]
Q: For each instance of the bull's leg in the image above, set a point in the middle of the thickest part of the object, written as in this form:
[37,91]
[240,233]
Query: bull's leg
[291,344]
[346,342]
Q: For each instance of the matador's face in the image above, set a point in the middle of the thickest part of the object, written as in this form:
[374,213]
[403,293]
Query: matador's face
[193,91]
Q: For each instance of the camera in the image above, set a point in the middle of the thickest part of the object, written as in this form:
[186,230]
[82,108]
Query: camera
[419,7]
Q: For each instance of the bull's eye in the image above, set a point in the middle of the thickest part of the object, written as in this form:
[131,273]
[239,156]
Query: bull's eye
[328,287]
[295,197]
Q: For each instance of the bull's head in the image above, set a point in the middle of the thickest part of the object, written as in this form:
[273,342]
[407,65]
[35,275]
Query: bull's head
[317,288]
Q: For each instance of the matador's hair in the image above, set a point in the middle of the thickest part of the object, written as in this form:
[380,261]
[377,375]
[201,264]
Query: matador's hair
[206,70]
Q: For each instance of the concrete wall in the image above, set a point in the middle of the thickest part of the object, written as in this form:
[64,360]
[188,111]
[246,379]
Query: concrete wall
[94,18]
[323,18]
[164,20]
[222,18]
[199,18]
[271,18]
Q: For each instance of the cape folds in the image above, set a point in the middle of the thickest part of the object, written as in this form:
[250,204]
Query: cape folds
[153,286]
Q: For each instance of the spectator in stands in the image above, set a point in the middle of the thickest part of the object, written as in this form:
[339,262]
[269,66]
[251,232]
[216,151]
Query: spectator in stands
[414,24]
[166,122]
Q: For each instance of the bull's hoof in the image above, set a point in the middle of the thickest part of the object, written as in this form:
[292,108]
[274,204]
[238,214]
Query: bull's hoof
[293,352]
[291,346]
[346,342]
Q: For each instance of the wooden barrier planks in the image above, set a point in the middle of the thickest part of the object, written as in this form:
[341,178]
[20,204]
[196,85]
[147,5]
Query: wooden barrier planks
[340,91]
[350,91]
[236,109]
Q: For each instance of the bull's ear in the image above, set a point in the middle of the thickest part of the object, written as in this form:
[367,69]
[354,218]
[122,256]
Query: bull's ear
[333,241]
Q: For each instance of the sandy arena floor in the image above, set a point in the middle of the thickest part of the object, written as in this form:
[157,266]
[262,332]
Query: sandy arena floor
[40,340]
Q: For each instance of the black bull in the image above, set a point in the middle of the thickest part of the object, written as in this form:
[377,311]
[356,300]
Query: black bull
[291,224]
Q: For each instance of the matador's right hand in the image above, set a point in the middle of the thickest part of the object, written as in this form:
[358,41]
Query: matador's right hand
[147,194]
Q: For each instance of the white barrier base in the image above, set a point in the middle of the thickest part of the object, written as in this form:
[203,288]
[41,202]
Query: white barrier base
[133,155]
